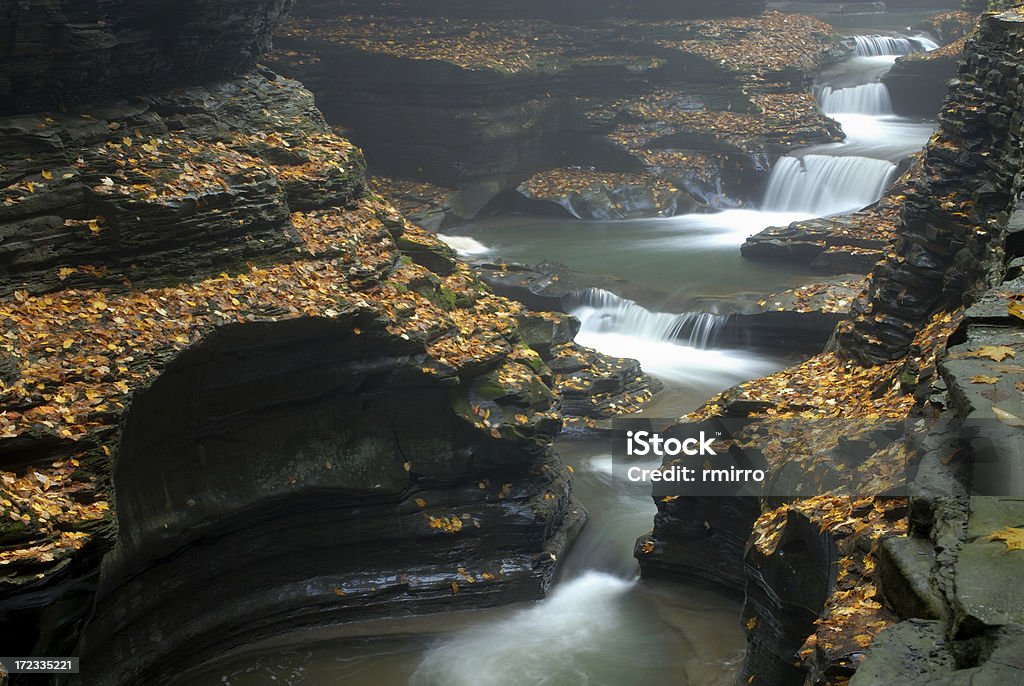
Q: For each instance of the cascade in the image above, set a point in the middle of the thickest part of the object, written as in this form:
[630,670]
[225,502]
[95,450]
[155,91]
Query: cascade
[600,311]
[876,46]
[868,98]
[822,185]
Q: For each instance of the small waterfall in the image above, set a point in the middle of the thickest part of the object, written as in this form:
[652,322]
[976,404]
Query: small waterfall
[600,311]
[549,643]
[876,46]
[869,98]
[823,185]
[464,245]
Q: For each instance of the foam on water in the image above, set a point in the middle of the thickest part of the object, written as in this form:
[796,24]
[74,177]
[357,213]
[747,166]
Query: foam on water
[464,245]
[545,645]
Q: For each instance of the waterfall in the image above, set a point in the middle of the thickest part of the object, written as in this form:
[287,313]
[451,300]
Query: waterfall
[602,312]
[876,46]
[869,98]
[823,185]
[464,245]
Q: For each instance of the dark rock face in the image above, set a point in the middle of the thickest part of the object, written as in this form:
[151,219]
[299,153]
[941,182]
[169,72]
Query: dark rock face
[59,53]
[954,220]
[232,376]
[346,485]
[917,85]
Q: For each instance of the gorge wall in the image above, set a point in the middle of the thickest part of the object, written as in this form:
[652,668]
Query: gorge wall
[239,393]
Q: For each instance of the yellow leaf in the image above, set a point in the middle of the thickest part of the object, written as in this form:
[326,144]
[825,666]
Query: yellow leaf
[68,342]
[981,378]
[993,352]
[47,174]
[421,502]
[1011,536]
[455,587]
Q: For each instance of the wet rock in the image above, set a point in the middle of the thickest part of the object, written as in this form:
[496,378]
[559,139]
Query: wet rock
[917,83]
[987,576]
[233,375]
[586,194]
[785,590]
[905,571]
[907,653]
[570,9]
[101,226]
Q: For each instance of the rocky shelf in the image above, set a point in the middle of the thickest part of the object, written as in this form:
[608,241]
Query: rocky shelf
[488,108]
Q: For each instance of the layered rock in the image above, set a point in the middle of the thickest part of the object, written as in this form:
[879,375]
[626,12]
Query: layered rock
[953,220]
[699,106]
[919,583]
[57,54]
[917,83]
[305,408]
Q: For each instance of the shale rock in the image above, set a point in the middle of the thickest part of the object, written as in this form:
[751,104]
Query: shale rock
[954,220]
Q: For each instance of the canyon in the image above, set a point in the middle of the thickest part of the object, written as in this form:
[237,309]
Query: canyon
[319,319]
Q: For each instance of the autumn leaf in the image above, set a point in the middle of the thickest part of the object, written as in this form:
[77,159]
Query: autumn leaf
[1011,536]
[421,502]
[993,352]
[48,175]
[981,378]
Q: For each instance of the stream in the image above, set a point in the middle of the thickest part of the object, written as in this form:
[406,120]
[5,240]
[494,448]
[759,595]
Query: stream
[600,626]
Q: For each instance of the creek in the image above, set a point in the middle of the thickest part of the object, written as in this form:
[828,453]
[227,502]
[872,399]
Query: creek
[600,626]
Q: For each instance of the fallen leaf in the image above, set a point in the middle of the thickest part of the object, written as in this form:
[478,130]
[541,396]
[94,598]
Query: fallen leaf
[981,378]
[993,352]
[1011,536]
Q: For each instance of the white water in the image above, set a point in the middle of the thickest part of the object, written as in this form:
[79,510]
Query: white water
[868,98]
[600,311]
[886,138]
[551,643]
[621,328]
[872,46]
[464,245]
[823,185]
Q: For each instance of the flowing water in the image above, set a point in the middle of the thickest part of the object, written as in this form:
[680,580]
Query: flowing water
[600,627]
